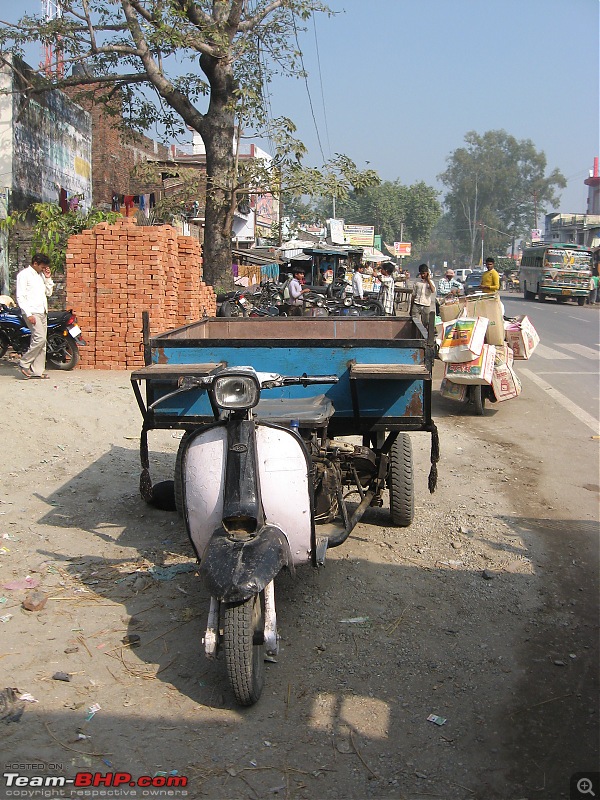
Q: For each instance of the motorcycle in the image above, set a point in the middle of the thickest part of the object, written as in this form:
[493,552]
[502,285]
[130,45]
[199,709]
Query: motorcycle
[63,339]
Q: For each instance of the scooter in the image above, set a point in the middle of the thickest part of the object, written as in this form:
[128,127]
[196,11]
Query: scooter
[63,339]
[249,490]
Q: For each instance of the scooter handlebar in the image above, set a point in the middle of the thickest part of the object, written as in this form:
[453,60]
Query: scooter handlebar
[309,380]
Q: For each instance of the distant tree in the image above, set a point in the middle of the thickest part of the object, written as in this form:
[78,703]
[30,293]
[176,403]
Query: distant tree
[395,211]
[495,186]
[141,49]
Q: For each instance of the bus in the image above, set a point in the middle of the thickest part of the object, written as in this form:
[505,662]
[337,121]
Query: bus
[560,270]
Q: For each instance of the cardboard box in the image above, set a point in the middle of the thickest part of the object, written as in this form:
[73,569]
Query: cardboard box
[505,383]
[521,336]
[454,391]
[479,370]
[463,339]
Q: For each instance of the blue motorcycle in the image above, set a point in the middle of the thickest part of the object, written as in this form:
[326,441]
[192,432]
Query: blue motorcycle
[64,336]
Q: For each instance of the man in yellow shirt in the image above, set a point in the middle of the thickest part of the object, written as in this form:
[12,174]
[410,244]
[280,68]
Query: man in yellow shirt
[490,280]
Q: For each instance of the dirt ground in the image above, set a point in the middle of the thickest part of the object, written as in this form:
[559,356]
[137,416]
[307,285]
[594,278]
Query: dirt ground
[469,614]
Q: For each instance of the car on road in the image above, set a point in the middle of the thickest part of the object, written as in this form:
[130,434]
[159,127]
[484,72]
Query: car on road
[472,282]
[462,274]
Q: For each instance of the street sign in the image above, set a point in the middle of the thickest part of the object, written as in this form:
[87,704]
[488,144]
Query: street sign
[402,248]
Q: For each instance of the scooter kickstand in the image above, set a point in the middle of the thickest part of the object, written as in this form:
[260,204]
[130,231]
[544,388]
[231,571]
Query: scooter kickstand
[212,625]
[270,633]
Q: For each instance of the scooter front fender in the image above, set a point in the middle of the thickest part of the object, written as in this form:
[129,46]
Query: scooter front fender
[236,570]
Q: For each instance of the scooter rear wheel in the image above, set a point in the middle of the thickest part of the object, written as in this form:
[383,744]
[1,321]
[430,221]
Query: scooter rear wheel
[243,643]
[4,344]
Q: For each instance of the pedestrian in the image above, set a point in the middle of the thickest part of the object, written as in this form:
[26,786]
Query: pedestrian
[592,298]
[490,280]
[449,286]
[423,296]
[384,276]
[357,281]
[34,287]
[294,304]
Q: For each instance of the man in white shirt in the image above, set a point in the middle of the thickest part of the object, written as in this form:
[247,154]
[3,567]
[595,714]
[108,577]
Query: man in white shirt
[357,282]
[34,287]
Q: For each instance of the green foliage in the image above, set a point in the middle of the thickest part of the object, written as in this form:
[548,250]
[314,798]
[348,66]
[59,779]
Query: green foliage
[52,228]
[496,186]
[396,211]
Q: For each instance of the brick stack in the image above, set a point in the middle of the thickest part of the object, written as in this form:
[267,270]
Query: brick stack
[115,272]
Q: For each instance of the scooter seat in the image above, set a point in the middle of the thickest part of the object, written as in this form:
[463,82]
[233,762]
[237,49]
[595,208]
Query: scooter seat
[311,412]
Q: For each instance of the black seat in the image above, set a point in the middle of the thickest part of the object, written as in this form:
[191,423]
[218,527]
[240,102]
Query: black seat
[311,412]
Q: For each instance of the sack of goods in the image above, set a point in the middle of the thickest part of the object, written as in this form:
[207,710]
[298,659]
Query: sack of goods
[521,336]
[479,370]
[490,307]
[463,339]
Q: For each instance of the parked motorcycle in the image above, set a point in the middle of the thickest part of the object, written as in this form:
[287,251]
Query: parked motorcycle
[63,339]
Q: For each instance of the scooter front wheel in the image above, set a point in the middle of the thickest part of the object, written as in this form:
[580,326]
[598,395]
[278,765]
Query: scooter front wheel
[243,643]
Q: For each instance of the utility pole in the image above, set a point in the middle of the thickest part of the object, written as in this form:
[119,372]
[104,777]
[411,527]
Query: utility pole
[535,209]
[481,226]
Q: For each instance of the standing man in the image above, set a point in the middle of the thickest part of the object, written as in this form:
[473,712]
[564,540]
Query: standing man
[296,291]
[423,297]
[387,288]
[490,280]
[34,287]
[357,282]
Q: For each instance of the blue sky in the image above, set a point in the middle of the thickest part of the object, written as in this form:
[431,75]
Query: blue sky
[402,81]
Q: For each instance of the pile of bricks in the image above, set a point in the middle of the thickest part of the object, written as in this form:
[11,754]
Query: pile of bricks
[115,272]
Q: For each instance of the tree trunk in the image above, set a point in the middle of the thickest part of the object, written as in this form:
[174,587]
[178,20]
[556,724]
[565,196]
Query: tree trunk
[217,133]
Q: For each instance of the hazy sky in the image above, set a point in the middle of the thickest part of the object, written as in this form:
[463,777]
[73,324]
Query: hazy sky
[401,82]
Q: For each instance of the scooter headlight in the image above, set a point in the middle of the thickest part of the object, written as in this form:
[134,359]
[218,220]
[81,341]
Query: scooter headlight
[236,391]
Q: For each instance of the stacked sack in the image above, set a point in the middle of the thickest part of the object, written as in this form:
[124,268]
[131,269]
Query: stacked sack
[479,347]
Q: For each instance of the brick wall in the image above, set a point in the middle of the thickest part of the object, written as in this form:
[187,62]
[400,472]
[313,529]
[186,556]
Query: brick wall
[115,272]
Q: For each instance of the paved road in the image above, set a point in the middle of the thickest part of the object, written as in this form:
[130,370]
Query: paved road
[565,363]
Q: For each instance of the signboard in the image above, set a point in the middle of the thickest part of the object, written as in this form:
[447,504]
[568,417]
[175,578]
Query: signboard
[402,248]
[336,227]
[536,235]
[359,235]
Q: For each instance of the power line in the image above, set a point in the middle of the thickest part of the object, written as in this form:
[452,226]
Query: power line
[312,111]
[321,84]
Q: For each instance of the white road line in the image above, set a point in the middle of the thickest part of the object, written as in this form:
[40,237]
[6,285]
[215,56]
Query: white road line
[553,372]
[580,349]
[564,401]
[579,319]
[548,352]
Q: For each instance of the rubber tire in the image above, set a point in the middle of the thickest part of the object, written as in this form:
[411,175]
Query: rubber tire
[73,350]
[372,309]
[4,344]
[478,399]
[581,301]
[527,295]
[178,475]
[541,298]
[245,659]
[401,482]
[561,300]
[229,309]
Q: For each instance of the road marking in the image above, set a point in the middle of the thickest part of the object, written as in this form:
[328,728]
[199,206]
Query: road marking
[548,352]
[580,349]
[579,319]
[560,398]
[552,372]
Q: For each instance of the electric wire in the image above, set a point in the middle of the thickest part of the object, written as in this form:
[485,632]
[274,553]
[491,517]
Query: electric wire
[312,110]
[321,84]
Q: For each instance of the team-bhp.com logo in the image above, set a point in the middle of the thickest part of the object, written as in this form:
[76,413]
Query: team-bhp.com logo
[94,784]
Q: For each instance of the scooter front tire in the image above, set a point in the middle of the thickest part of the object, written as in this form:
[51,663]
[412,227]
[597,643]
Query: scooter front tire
[243,643]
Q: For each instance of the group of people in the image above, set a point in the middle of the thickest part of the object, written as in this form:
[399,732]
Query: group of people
[425,296]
